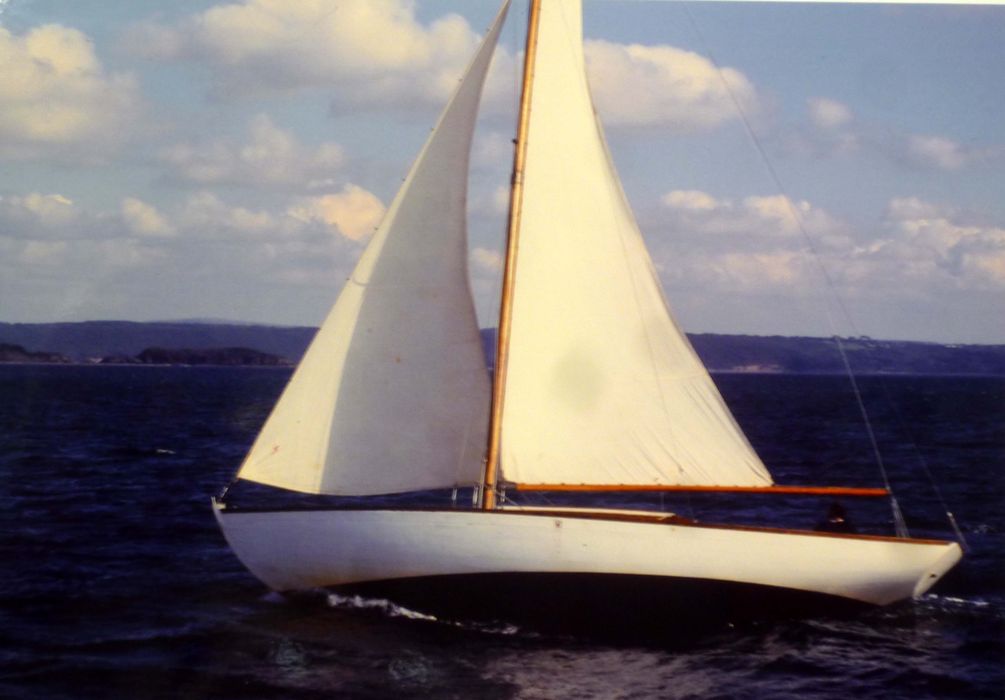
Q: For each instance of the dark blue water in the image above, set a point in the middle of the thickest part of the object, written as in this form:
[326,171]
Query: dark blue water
[115,583]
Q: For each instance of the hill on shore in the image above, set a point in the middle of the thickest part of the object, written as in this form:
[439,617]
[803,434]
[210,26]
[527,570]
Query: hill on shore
[93,340]
[90,340]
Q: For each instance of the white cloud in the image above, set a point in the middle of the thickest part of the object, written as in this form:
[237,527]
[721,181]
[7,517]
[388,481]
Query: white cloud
[376,51]
[82,261]
[491,203]
[53,232]
[120,253]
[290,245]
[826,113]
[636,85]
[354,213]
[834,130]
[926,251]
[758,271]
[487,260]
[690,200]
[144,220]
[928,227]
[492,149]
[36,213]
[937,242]
[42,253]
[988,266]
[52,267]
[831,129]
[920,248]
[751,245]
[938,151]
[54,93]
[270,156]
[908,208]
[205,214]
[754,218]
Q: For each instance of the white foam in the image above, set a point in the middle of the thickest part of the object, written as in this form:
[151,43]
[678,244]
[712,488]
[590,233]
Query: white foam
[356,602]
[952,600]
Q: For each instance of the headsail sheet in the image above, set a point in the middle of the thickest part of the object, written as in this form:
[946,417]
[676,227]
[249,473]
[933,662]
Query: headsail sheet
[602,385]
[393,393]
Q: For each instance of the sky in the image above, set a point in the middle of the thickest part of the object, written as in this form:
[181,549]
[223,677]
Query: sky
[796,169]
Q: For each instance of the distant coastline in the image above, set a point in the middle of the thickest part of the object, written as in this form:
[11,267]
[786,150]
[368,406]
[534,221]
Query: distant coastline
[171,343]
[231,344]
[12,353]
[221,357]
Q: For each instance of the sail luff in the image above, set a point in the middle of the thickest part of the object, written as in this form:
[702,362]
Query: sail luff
[509,269]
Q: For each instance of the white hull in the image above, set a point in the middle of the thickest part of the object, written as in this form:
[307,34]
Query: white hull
[298,550]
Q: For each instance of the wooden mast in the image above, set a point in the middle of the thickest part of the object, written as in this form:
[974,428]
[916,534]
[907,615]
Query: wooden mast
[512,243]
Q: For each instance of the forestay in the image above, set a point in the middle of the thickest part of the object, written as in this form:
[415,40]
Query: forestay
[602,386]
[393,393]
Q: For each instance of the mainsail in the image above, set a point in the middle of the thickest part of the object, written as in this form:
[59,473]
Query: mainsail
[393,393]
[602,387]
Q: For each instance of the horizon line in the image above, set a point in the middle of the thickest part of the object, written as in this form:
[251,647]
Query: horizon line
[198,321]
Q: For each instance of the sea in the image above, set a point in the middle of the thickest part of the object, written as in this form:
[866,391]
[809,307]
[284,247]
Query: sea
[116,583]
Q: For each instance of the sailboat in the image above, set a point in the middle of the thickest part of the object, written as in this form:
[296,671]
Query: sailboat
[595,389]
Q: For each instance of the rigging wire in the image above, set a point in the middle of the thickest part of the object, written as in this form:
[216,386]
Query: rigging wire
[900,526]
[920,457]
